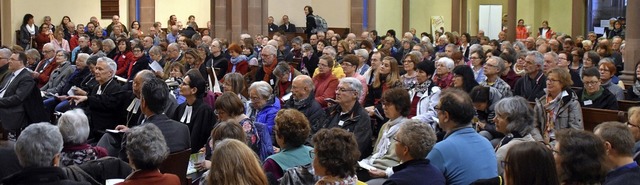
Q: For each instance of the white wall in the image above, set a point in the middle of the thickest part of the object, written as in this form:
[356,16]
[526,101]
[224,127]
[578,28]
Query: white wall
[337,13]
[183,9]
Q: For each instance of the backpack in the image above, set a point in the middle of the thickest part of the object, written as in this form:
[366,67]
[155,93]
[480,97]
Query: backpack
[321,24]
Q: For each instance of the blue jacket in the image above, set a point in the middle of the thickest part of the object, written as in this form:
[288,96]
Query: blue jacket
[267,114]
[464,157]
[418,172]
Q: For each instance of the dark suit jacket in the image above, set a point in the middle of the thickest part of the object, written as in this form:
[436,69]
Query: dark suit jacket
[291,28]
[22,103]
[175,133]
[103,109]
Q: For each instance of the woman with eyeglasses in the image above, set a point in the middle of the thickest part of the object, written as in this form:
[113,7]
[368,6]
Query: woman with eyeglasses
[409,65]
[514,119]
[477,63]
[124,57]
[325,82]
[593,95]
[564,62]
[194,112]
[291,132]
[607,77]
[229,107]
[349,66]
[142,61]
[558,109]
[396,105]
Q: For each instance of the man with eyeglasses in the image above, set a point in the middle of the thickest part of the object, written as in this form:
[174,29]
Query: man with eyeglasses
[303,100]
[455,112]
[20,100]
[492,69]
[46,66]
[593,95]
[634,126]
[618,142]
[348,114]
[532,85]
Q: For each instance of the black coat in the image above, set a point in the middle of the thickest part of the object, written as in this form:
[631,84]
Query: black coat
[202,121]
[103,109]
[291,28]
[605,101]
[75,79]
[40,175]
[311,109]
[531,89]
[355,121]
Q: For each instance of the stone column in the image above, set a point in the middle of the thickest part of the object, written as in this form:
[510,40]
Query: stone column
[372,15]
[147,14]
[357,10]
[632,42]
[578,17]
[512,15]
[231,18]
[463,17]
[406,18]
[455,16]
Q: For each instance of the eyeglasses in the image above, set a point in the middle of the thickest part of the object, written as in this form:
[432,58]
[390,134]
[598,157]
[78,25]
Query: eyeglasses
[552,81]
[489,65]
[592,83]
[344,90]
[322,65]
[347,64]
[632,125]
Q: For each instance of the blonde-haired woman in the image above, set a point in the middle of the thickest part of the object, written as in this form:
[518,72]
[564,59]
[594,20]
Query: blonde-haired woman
[235,163]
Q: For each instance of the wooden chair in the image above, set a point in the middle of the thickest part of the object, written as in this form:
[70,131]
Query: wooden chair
[624,105]
[177,164]
[592,117]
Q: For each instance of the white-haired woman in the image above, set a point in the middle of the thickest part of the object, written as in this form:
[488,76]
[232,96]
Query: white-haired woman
[74,127]
[444,76]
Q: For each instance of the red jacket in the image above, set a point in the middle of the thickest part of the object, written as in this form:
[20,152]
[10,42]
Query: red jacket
[242,67]
[326,85]
[151,177]
[124,61]
[43,78]
[73,42]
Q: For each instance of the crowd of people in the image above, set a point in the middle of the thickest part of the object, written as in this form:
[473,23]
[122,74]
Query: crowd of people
[327,109]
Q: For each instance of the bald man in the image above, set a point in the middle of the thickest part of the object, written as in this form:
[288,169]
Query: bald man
[303,100]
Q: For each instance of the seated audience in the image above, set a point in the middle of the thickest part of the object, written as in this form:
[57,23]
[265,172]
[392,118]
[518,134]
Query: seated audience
[530,163]
[493,68]
[222,130]
[531,86]
[484,100]
[618,142]
[580,157]
[38,149]
[60,74]
[229,107]
[348,114]
[302,99]
[463,78]
[335,156]
[396,104]
[593,95]
[478,161]
[414,140]
[325,81]
[558,108]
[424,95]
[388,77]
[349,66]
[194,112]
[633,91]
[514,119]
[234,82]
[146,150]
[74,127]
[444,76]
[285,74]
[607,72]
[236,163]
[291,131]
[263,106]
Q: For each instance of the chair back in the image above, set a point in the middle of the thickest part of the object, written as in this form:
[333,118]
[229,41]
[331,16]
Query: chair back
[177,164]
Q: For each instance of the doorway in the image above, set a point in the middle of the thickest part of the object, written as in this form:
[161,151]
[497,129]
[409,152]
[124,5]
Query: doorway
[490,20]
